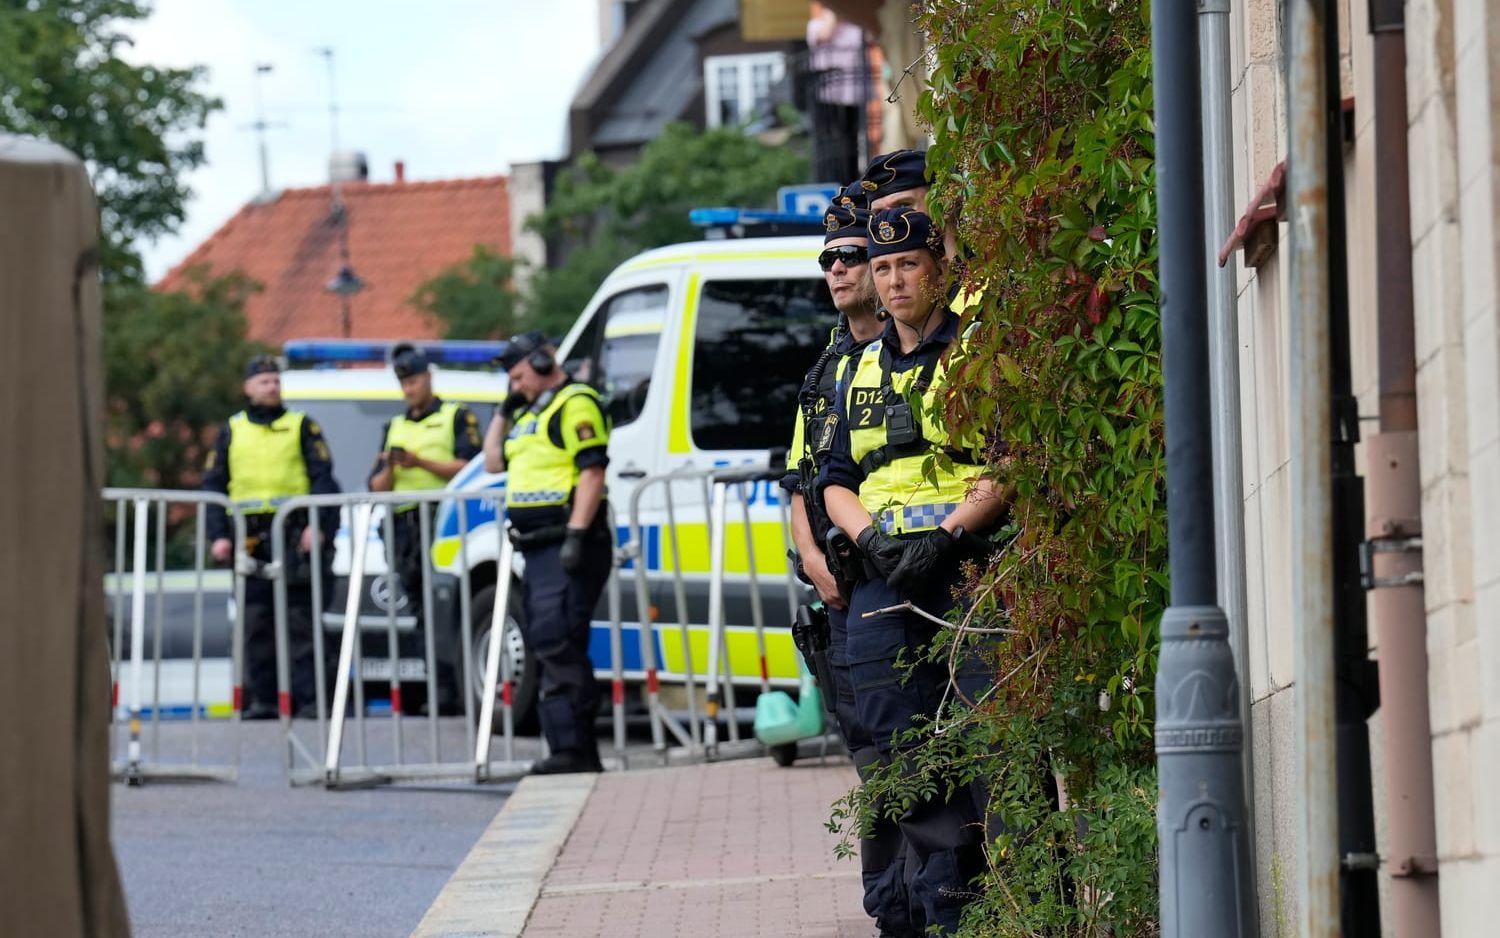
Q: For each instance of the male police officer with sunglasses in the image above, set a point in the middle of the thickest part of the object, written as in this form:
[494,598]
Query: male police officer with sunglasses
[845,263]
[551,437]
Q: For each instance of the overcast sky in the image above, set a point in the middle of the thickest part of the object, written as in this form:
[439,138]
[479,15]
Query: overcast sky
[453,87]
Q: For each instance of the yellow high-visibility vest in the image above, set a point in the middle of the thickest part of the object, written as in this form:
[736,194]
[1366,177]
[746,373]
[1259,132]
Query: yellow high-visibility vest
[904,490]
[265,462]
[542,448]
[430,438]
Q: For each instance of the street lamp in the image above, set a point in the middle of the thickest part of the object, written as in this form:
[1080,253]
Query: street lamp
[344,285]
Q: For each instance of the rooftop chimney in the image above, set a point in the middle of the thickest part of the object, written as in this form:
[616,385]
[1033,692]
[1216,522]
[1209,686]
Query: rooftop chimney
[401,171]
[348,166]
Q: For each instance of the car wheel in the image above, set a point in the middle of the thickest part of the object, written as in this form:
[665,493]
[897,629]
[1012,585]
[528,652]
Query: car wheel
[523,666]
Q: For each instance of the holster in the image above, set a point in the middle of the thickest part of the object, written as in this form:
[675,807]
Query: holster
[845,561]
[538,538]
[810,633]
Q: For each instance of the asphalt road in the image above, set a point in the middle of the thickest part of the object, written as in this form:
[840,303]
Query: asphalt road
[257,857]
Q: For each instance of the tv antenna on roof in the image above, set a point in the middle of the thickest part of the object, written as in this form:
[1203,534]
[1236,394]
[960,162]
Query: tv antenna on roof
[260,126]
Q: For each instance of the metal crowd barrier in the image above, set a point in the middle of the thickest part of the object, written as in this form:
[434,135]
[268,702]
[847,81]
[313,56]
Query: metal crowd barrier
[398,754]
[136,766]
[699,737]
[331,742]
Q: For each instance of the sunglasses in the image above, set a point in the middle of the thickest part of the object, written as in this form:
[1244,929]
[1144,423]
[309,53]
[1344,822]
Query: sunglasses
[852,256]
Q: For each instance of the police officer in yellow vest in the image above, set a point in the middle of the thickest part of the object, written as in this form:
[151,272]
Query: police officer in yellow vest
[421,449]
[551,437]
[264,455]
[914,522]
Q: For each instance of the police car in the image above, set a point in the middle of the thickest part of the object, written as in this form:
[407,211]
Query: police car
[698,350]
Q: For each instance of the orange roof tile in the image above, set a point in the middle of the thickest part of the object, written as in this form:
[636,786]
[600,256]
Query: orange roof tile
[400,235]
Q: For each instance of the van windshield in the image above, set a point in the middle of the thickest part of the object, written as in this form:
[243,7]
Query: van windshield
[755,341]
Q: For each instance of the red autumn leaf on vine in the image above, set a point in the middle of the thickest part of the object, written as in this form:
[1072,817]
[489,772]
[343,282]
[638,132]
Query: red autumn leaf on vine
[1097,233]
[1097,303]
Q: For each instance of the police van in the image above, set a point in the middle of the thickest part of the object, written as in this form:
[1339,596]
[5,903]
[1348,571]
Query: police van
[698,350]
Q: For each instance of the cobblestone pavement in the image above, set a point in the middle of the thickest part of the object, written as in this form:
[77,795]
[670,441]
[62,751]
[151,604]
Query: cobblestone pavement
[727,849]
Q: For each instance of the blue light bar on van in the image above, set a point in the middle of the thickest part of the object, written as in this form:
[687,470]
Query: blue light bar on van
[721,223]
[331,351]
[715,217]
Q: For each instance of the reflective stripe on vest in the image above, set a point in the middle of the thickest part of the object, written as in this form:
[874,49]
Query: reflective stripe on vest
[265,462]
[908,493]
[431,438]
[539,473]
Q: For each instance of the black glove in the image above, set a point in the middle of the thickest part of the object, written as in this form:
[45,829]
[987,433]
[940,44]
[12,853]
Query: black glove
[882,550]
[572,550]
[922,558]
[513,402]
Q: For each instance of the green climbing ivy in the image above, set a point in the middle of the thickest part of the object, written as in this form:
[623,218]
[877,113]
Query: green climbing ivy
[1040,112]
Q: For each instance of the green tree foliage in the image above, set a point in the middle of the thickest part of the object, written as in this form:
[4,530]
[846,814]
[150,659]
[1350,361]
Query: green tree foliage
[62,79]
[173,365]
[473,299]
[601,215]
[1041,113]
[172,360]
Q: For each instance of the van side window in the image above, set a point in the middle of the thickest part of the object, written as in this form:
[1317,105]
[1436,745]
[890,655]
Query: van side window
[755,341]
[632,332]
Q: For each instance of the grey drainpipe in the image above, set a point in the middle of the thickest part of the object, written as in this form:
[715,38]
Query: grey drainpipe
[1393,553]
[1224,373]
[1312,455]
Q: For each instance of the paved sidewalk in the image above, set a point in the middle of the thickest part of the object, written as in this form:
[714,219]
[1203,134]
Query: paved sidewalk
[727,849]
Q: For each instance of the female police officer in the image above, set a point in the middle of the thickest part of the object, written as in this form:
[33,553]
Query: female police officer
[914,522]
[554,435]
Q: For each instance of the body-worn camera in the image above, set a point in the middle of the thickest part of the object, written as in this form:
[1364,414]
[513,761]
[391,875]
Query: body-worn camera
[900,423]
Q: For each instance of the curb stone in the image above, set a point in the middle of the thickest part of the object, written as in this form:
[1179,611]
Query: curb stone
[492,892]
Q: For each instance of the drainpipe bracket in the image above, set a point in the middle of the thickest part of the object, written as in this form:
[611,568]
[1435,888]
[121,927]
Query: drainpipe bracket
[1396,545]
[1416,865]
[1360,861]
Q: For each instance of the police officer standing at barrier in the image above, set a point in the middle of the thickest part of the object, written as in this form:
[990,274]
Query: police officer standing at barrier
[420,450]
[551,436]
[846,269]
[264,455]
[914,522]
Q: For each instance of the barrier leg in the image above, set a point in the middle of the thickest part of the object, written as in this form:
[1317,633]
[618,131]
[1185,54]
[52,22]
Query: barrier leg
[282,639]
[117,649]
[757,611]
[679,597]
[237,639]
[715,619]
[137,641]
[648,631]
[465,625]
[393,638]
[492,663]
[616,653]
[348,643]
[156,627]
[320,654]
[429,627]
[199,531]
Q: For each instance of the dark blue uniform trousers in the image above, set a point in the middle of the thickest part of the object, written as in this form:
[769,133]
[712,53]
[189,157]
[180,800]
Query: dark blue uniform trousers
[882,857]
[559,608]
[944,838]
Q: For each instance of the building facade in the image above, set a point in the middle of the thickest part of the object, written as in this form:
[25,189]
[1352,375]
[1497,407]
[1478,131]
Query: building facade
[1452,64]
